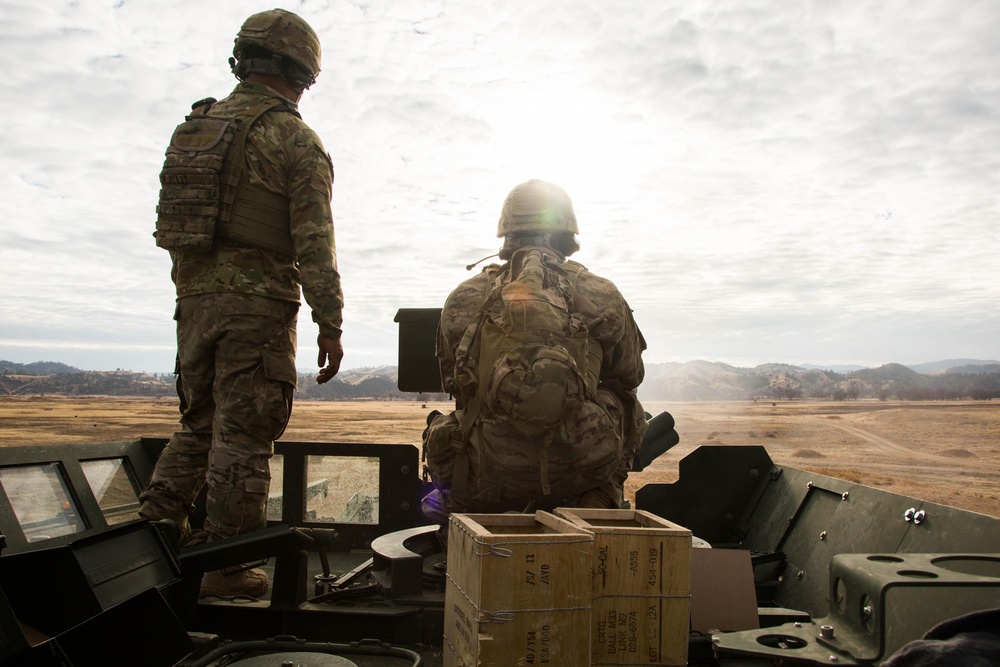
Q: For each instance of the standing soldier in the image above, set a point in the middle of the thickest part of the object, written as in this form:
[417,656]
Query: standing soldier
[244,210]
[543,358]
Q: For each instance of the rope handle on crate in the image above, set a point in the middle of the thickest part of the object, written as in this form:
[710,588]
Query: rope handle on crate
[504,615]
[499,548]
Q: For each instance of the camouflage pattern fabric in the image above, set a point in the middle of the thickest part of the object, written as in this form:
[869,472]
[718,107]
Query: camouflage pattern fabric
[600,305]
[283,155]
[236,321]
[609,320]
[534,361]
[236,365]
[205,192]
[191,182]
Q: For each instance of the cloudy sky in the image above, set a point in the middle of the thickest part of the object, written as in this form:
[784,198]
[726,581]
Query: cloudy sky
[807,182]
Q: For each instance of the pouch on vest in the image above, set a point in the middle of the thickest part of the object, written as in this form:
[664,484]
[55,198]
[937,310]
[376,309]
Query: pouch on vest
[439,448]
[536,362]
[190,188]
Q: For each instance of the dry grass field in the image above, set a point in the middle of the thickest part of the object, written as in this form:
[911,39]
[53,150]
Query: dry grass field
[944,452]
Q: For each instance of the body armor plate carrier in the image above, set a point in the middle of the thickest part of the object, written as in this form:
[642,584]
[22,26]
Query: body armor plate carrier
[205,193]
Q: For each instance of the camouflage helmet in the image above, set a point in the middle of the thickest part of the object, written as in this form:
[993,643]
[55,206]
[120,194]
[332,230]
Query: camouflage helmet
[282,33]
[537,206]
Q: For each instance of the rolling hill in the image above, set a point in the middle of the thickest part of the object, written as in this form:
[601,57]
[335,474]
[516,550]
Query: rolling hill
[693,380]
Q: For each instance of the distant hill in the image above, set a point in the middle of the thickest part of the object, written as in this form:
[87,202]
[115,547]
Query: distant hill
[845,368]
[696,380]
[975,369]
[706,381]
[36,368]
[886,373]
[63,380]
[949,365]
[359,383]
[87,383]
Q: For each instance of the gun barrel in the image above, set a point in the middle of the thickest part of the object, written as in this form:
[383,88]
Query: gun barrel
[660,436]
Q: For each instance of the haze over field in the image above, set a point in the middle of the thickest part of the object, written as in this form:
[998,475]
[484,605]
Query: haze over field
[691,381]
[809,182]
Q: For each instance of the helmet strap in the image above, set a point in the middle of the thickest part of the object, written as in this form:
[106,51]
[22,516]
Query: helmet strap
[291,72]
[514,242]
[296,76]
[247,66]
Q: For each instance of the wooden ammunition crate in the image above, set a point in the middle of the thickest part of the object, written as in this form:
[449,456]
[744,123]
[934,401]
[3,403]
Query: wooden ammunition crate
[641,586]
[518,591]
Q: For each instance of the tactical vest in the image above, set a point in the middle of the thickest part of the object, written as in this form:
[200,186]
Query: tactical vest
[205,192]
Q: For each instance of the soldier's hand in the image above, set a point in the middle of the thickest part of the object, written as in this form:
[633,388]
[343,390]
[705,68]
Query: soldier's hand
[331,353]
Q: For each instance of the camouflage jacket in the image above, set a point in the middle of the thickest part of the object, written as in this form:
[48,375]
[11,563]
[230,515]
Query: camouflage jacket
[285,156]
[600,305]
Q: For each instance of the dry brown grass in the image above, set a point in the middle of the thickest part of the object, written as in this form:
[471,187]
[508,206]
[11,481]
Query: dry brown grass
[944,452]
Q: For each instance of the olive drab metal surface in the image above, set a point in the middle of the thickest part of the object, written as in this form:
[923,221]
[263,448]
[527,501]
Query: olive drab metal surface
[845,574]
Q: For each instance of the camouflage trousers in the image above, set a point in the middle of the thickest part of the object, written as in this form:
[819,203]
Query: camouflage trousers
[235,379]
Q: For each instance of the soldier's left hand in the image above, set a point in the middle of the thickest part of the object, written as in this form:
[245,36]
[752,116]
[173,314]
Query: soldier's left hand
[331,353]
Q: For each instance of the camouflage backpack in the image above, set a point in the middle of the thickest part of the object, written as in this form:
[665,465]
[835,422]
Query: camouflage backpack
[532,427]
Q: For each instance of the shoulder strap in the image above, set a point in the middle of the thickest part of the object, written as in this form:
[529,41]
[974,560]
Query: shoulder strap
[233,171]
[468,349]
[201,107]
[573,271]
[253,215]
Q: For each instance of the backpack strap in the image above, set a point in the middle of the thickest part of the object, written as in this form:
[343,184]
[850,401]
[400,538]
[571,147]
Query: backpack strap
[460,443]
[465,353]
[591,366]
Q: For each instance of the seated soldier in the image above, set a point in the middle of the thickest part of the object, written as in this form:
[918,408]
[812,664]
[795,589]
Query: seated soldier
[543,358]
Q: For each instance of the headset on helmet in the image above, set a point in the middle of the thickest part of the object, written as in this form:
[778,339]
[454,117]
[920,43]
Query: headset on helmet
[277,42]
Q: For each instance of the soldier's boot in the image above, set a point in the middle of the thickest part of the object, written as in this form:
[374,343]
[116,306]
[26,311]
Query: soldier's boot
[234,583]
[193,539]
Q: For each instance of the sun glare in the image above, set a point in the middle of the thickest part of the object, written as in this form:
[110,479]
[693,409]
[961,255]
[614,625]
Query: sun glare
[566,136]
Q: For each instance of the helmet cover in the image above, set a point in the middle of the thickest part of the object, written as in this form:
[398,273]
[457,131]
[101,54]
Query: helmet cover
[283,33]
[539,207]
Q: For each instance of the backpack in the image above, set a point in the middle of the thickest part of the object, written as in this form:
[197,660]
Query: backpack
[204,193]
[532,425]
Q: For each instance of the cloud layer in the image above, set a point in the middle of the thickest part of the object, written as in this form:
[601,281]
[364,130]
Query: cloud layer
[813,182]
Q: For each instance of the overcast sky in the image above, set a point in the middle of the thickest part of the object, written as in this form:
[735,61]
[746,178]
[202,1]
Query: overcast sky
[807,182]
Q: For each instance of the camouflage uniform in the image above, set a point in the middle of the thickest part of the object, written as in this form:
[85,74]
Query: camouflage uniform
[236,316]
[609,320]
